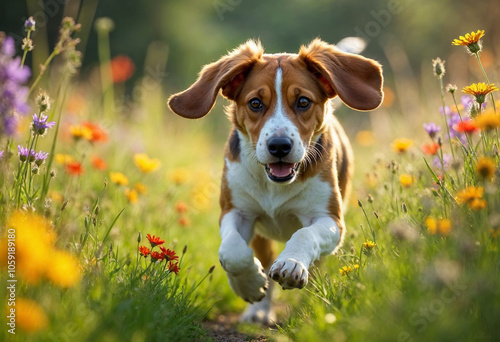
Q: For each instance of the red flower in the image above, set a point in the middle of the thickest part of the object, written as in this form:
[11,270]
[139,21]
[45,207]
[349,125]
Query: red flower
[466,126]
[122,68]
[155,240]
[157,256]
[181,207]
[431,148]
[144,251]
[74,168]
[99,163]
[169,254]
[98,134]
[174,268]
[184,221]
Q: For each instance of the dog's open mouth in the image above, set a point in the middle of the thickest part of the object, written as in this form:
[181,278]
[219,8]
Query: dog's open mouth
[281,171]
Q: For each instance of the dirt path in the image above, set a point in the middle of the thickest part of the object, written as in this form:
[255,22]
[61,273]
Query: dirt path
[223,329]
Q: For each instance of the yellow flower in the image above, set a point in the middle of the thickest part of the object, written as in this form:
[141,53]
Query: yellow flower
[80,132]
[485,168]
[146,164]
[471,40]
[488,120]
[346,270]
[434,226]
[480,90]
[179,176]
[30,317]
[64,270]
[444,227]
[406,180]
[401,145]
[472,196]
[132,195]
[140,188]
[118,178]
[477,204]
[365,138]
[64,159]
[369,244]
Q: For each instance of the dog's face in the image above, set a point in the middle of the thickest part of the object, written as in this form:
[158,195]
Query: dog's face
[279,101]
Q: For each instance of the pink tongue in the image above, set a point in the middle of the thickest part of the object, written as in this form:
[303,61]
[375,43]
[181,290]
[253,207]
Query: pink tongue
[281,169]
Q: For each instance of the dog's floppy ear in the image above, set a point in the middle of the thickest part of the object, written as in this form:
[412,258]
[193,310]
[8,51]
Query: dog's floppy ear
[228,73]
[355,79]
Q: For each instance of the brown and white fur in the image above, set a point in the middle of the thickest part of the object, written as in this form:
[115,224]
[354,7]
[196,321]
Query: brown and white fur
[288,162]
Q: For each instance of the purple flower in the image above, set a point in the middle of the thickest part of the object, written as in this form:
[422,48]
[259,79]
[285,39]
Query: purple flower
[1,154]
[432,129]
[40,124]
[40,157]
[26,154]
[445,163]
[9,47]
[29,24]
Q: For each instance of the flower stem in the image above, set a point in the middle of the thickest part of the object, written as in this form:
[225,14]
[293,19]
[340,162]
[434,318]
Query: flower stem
[106,81]
[487,80]
[444,115]
[42,71]
[25,51]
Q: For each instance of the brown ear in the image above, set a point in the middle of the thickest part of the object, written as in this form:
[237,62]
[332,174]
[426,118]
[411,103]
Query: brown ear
[355,79]
[227,73]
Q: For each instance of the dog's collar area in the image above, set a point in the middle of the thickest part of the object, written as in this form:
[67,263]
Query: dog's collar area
[281,172]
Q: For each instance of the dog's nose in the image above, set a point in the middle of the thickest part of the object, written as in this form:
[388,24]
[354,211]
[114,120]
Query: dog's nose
[280,146]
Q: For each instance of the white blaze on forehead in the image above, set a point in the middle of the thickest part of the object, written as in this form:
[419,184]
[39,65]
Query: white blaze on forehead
[279,125]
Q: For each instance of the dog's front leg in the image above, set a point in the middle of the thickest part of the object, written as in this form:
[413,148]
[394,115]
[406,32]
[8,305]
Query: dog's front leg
[306,245]
[245,273]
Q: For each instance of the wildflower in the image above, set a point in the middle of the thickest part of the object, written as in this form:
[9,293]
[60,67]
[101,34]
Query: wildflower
[477,204]
[432,129]
[80,132]
[444,163]
[64,270]
[451,88]
[146,164]
[406,180]
[168,254]
[174,268]
[345,270]
[401,145]
[64,159]
[30,317]
[43,102]
[132,195]
[30,24]
[25,154]
[104,24]
[368,245]
[118,178]
[438,67]
[430,149]
[155,240]
[465,126]
[365,138]
[99,163]
[27,44]
[122,68]
[181,207]
[442,226]
[40,157]
[97,134]
[1,154]
[157,256]
[184,221]
[74,168]
[144,251]
[140,188]
[480,90]
[40,124]
[472,196]
[471,40]
[485,168]
[487,121]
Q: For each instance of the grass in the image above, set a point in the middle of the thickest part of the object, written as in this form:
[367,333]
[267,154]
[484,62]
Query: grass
[420,260]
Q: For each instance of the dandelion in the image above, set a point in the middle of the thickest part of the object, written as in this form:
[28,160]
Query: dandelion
[465,126]
[118,178]
[485,168]
[146,164]
[132,195]
[122,68]
[406,180]
[155,240]
[480,90]
[487,121]
[168,254]
[174,268]
[432,129]
[401,145]
[471,40]
[30,317]
[346,270]
[64,270]
[430,149]
[99,163]
[74,168]
[144,251]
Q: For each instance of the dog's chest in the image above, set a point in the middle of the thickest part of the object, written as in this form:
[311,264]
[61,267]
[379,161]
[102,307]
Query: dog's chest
[279,210]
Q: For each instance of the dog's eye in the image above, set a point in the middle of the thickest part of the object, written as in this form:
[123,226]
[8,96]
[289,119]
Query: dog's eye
[303,102]
[255,104]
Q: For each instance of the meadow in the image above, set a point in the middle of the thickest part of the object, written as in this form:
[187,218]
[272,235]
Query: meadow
[109,213]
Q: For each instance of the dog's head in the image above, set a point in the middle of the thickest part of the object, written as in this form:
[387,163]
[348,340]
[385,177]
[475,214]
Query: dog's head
[280,101]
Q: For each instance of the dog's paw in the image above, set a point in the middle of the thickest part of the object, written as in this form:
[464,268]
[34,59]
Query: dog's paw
[251,285]
[259,313]
[289,273]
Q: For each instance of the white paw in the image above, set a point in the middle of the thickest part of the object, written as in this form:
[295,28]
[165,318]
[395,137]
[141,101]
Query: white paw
[251,284]
[257,313]
[290,273]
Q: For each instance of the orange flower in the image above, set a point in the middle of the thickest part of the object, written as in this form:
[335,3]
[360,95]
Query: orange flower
[122,68]
[99,164]
[184,221]
[169,254]
[144,251]
[181,207]
[174,268]
[74,168]
[157,256]
[155,240]
[97,134]
[431,148]
[466,126]
[401,145]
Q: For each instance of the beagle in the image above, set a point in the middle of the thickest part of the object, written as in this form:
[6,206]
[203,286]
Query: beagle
[288,162]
